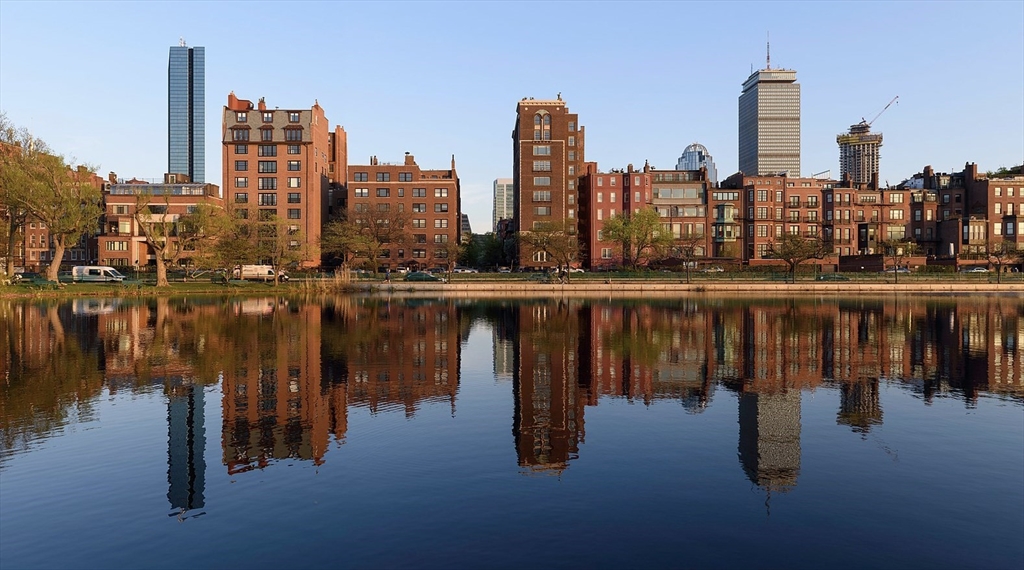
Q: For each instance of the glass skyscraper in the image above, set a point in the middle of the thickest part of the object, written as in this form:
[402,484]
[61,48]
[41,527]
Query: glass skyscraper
[186,112]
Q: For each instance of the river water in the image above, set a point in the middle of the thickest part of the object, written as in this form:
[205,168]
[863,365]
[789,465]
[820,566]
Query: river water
[431,433]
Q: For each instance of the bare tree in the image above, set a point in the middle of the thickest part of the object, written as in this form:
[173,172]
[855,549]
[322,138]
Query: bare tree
[1000,253]
[640,235]
[794,249]
[558,240]
[172,237]
[897,250]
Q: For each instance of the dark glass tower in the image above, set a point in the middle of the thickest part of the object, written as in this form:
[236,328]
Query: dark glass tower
[186,112]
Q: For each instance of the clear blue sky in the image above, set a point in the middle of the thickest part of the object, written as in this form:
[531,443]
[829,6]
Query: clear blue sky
[437,79]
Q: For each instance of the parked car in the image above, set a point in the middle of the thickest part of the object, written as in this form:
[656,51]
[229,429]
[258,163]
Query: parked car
[832,277]
[975,269]
[423,276]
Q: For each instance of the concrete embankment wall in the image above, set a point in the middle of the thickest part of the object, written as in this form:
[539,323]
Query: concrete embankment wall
[636,289]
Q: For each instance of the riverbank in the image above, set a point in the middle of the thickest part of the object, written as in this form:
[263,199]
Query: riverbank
[483,287]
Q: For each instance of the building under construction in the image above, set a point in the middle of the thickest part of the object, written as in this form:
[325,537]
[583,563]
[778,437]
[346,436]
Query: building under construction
[858,154]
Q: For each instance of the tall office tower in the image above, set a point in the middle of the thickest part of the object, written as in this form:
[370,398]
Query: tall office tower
[504,201]
[858,154]
[769,123]
[695,157]
[547,149]
[186,112]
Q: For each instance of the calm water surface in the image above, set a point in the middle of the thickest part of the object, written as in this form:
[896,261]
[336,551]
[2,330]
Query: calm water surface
[350,432]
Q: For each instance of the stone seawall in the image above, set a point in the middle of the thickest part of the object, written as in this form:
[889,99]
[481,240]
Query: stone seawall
[663,289]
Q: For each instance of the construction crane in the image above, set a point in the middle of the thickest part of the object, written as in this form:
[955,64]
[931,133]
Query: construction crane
[871,122]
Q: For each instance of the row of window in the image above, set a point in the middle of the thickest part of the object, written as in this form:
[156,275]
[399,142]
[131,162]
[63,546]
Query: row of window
[386,192]
[267,149]
[267,199]
[267,183]
[266,134]
[268,116]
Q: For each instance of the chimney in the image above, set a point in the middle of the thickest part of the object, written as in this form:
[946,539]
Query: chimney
[262,104]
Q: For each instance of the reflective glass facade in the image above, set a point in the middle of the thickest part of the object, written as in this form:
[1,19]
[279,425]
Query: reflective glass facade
[186,112]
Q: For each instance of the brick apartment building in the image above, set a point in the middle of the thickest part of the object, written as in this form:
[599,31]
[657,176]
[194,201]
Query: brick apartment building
[281,162]
[429,200]
[548,158]
[121,242]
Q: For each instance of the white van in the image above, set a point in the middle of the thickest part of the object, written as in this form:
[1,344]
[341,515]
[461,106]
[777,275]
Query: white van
[258,273]
[96,274]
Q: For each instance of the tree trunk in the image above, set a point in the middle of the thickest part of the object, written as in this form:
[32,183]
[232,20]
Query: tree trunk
[58,255]
[161,272]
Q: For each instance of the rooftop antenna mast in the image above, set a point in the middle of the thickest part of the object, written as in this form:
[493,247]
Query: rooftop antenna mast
[768,50]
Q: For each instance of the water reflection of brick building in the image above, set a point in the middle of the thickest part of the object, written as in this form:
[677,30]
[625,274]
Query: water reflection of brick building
[548,417]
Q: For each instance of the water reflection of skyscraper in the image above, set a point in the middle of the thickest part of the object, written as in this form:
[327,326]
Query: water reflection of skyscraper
[186,445]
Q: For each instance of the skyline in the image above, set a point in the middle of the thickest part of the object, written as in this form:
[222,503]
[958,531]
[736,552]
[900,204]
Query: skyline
[448,77]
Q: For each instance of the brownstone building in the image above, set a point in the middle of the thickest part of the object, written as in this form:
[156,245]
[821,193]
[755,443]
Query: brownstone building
[277,162]
[429,201]
[548,157]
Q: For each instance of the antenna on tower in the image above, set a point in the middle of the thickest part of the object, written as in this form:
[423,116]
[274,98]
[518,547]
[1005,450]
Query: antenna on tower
[768,50]
[181,41]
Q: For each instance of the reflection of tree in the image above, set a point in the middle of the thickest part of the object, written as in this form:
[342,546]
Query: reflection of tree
[51,375]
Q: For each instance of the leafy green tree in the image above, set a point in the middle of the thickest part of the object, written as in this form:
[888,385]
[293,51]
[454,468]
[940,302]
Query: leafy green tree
[794,249]
[640,235]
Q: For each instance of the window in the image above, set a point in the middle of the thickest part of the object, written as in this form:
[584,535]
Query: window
[441,223]
[268,183]
[293,116]
[383,192]
[294,198]
[294,182]
[419,192]
[542,181]
[419,208]
[266,134]
[440,192]
[293,149]
[294,165]
[361,192]
[542,196]
[542,166]
[268,199]
[241,197]
[239,134]
[240,116]
[541,150]
[294,213]
[268,166]
[293,134]
[405,176]
[419,223]
[383,177]
[241,182]
[440,207]
[543,211]
[360,177]
[267,150]
[241,149]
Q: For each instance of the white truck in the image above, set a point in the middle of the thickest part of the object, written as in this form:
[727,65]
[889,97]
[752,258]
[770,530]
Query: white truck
[258,273]
[96,274]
